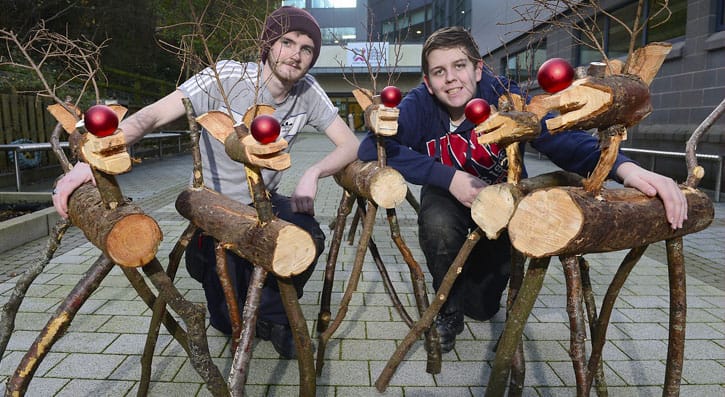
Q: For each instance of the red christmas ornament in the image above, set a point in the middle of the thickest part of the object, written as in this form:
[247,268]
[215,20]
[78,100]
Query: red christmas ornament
[265,129]
[100,120]
[477,110]
[391,96]
[555,75]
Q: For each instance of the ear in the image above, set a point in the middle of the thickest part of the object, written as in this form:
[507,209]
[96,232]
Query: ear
[479,70]
[427,83]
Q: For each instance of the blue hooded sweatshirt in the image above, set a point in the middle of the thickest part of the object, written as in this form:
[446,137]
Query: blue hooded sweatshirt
[424,150]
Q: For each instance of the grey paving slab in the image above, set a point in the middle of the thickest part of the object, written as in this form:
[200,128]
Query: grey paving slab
[99,355]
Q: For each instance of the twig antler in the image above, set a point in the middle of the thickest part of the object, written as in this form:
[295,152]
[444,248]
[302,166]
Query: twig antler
[79,60]
[694,171]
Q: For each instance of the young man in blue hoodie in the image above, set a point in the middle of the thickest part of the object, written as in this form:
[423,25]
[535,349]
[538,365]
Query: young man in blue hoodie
[434,147]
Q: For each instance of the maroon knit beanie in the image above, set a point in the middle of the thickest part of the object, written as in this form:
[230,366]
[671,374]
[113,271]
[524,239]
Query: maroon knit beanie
[288,19]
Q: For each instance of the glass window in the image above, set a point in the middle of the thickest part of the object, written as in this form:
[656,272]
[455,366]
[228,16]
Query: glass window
[615,38]
[333,4]
[295,3]
[411,27]
[338,35]
[674,27]
[720,24]
[522,66]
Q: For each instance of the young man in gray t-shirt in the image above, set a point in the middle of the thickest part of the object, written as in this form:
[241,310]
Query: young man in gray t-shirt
[291,44]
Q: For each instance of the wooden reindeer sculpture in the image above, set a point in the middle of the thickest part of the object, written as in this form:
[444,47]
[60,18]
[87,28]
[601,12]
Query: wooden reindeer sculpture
[553,214]
[272,244]
[126,236]
[378,185]
[576,221]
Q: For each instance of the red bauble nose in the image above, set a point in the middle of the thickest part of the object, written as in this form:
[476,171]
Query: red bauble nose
[555,75]
[265,129]
[391,96]
[100,120]
[477,110]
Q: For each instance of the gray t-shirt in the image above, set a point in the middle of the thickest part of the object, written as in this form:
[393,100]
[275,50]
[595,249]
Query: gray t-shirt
[306,105]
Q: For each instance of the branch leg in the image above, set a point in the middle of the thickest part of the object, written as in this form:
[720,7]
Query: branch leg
[388,284]
[511,336]
[518,363]
[577,328]
[678,315]
[417,277]
[426,319]
[57,325]
[362,247]
[10,309]
[229,294]
[159,310]
[599,333]
[591,307]
[194,317]
[301,335]
[346,203]
[243,350]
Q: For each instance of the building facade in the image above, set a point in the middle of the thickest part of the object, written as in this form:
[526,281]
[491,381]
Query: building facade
[688,87]
[515,39]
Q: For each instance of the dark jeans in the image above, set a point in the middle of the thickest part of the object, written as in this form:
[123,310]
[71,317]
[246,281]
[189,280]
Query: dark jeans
[201,264]
[443,225]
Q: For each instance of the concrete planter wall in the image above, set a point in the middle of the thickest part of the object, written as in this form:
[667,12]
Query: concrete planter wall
[18,231]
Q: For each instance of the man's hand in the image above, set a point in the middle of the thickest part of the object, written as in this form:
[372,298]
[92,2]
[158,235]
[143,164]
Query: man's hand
[80,174]
[465,187]
[653,184]
[303,198]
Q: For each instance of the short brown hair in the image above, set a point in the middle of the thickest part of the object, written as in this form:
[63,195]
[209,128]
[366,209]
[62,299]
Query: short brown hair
[451,37]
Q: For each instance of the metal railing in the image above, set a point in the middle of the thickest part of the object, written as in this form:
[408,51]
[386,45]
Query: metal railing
[17,149]
[659,153]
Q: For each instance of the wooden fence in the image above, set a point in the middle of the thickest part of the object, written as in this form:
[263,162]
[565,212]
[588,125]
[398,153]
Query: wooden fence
[25,116]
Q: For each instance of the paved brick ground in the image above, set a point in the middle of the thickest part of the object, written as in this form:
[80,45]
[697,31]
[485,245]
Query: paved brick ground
[99,354]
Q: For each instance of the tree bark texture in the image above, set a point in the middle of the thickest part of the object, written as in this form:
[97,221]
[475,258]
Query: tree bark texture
[568,220]
[303,342]
[126,235]
[591,307]
[577,328]
[609,141]
[243,349]
[678,315]
[278,246]
[383,185]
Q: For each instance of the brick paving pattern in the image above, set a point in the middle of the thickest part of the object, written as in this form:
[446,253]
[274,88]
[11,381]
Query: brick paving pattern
[100,353]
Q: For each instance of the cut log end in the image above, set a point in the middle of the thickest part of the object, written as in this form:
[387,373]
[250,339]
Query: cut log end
[134,240]
[293,253]
[492,209]
[388,188]
[562,223]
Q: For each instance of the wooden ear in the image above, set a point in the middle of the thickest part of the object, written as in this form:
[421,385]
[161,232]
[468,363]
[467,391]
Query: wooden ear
[219,124]
[64,116]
